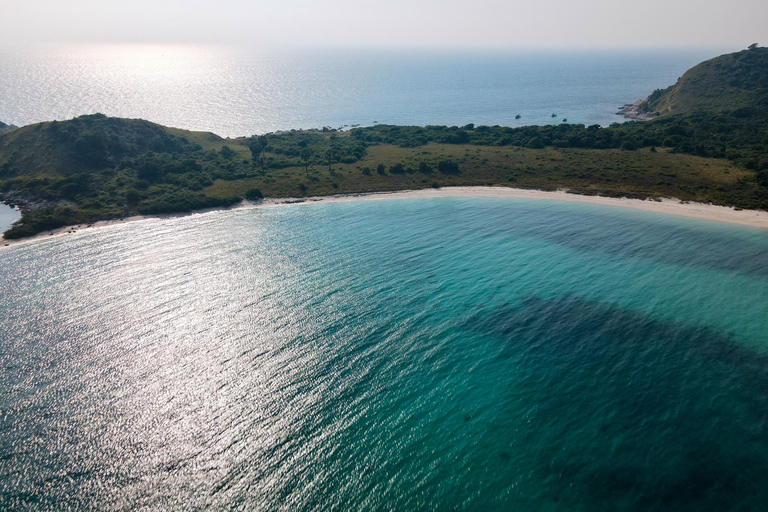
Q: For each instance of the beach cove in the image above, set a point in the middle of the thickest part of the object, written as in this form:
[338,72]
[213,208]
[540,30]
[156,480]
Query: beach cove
[669,206]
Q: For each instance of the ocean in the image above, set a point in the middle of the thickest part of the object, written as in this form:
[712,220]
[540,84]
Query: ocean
[238,92]
[412,354]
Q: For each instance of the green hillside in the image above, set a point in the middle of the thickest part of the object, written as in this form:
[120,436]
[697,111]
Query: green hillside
[728,82]
[84,144]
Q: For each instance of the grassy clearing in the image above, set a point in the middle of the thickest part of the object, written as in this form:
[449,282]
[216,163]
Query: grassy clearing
[639,173]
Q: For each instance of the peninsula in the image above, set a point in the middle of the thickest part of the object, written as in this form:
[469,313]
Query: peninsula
[705,140]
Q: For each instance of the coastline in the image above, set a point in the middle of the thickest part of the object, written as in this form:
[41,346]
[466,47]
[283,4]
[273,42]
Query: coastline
[637,111]
[669,206]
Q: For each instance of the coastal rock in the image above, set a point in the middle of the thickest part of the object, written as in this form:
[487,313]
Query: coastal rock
[639,111]
[24,204]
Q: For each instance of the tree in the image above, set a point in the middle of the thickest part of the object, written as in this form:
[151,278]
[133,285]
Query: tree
[753,46]
[227,152]
[329,156]
[257,144]
[306,154]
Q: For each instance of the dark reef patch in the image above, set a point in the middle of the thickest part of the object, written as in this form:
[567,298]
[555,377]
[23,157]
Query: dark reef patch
[633,413]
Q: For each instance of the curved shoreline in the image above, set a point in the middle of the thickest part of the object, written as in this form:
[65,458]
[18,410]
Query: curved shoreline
[669,206]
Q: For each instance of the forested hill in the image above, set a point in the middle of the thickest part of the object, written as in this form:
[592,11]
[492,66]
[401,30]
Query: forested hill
[710,144]
[84,144]
[726,83]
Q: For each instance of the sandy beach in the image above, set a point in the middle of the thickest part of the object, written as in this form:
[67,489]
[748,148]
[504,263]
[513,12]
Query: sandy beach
[670,206]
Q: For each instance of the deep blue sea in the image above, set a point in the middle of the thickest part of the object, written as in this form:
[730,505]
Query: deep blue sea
[430,354]
[237,91]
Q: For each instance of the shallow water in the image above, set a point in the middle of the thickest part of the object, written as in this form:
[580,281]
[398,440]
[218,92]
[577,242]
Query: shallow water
[476,354]
[8,216]
[240,91]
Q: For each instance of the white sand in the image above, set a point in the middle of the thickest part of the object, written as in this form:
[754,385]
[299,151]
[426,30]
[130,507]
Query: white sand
[756,218]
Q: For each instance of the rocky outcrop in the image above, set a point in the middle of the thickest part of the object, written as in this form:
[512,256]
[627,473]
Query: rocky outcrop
[639,110]
[24,204]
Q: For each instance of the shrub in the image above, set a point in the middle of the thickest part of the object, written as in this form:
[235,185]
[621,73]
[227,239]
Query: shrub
[447,166]
[132,197]
[628,145]
[227,152]
[254,194]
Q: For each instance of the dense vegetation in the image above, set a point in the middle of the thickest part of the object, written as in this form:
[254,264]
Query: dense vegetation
[94,167]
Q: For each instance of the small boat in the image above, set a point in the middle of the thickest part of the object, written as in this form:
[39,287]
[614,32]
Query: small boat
[518,116]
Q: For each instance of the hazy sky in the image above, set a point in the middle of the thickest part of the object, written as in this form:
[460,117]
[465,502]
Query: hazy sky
[531,23]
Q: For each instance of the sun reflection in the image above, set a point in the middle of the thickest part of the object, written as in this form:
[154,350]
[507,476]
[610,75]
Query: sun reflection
[148,60]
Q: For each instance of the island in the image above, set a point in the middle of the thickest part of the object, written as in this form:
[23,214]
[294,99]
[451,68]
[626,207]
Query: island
[703,139]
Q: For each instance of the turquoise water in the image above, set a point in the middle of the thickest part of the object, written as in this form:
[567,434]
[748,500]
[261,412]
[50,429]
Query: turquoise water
[470,354]
[239,91]
[7,217]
